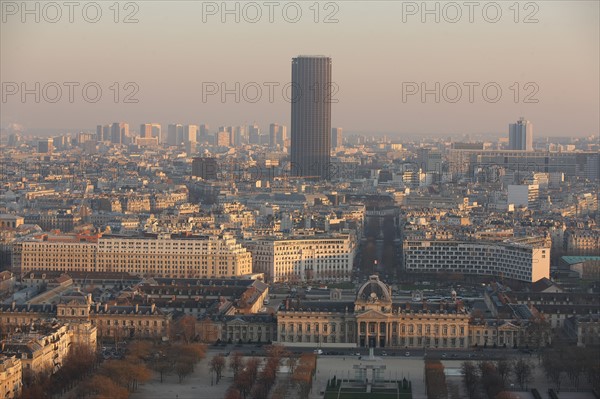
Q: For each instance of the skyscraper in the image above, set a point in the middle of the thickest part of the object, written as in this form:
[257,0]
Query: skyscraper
[223,139]
[239,136]
[174,134]
[336,137]
[204,131]
[45,146]
[520,135]
[254,134]
[189,134]
[274,133]
[148,130]
[311,116]
[119,133]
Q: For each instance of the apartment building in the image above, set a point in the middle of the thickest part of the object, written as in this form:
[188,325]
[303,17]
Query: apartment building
[213,256]
[10,377]
[329,257]
[526,259]
[40,351]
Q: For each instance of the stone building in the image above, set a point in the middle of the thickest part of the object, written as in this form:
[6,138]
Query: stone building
[233,328]
[373,320]
[42,349]
[10,377]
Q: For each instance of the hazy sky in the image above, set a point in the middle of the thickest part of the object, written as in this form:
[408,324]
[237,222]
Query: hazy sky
[379,51]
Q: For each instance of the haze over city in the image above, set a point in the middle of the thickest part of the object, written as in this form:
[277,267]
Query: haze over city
[176,47]
[299,199]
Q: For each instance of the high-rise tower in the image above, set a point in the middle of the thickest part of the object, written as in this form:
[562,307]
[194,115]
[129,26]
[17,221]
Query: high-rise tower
[520,135]
[311,116]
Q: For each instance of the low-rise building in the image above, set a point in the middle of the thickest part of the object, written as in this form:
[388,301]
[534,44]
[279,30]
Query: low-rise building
[585,330]
[373,320]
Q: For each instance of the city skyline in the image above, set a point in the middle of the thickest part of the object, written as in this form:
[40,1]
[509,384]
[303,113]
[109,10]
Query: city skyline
[312,199]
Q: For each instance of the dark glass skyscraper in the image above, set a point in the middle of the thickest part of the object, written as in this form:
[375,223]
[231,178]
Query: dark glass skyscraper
[311,117]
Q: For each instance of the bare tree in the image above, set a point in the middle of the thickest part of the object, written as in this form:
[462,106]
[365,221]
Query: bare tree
[292,361]
[504,368]
[236,363]
[523,372]
[470,378]
[217,364]
[185,367]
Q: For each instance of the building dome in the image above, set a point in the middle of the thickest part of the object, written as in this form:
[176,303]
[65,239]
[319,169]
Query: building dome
[374,290]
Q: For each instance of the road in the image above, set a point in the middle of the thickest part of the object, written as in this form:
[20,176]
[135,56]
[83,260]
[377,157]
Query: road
[441,354]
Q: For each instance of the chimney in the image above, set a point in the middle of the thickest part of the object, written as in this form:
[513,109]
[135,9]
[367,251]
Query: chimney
[13,305]
[106,307]
[137,308]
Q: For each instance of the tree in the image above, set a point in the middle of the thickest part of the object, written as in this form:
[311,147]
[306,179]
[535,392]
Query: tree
[184,328]
[553,368]
[125,373]
[259,390]
[252,366]
[183,368]
[244,382]
[523,372]
[139,350]
[504,368]
[101,386]
[163,365]
[292,361]
[236,362]
[233,393]
[217,364]
[490,379]
[454,391]
[538,331]
[507,395]
[470,378]
[435,380]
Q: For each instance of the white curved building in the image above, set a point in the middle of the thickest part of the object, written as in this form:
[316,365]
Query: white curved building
[526,259]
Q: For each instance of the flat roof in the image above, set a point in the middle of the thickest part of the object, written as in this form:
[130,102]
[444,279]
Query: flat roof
[573,259]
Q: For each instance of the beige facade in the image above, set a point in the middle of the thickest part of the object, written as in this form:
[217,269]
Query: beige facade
[214,256]
[492,334]
[374,321]
[247,328]
[126,322]
[327,258]
[10,377]
[41,351]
